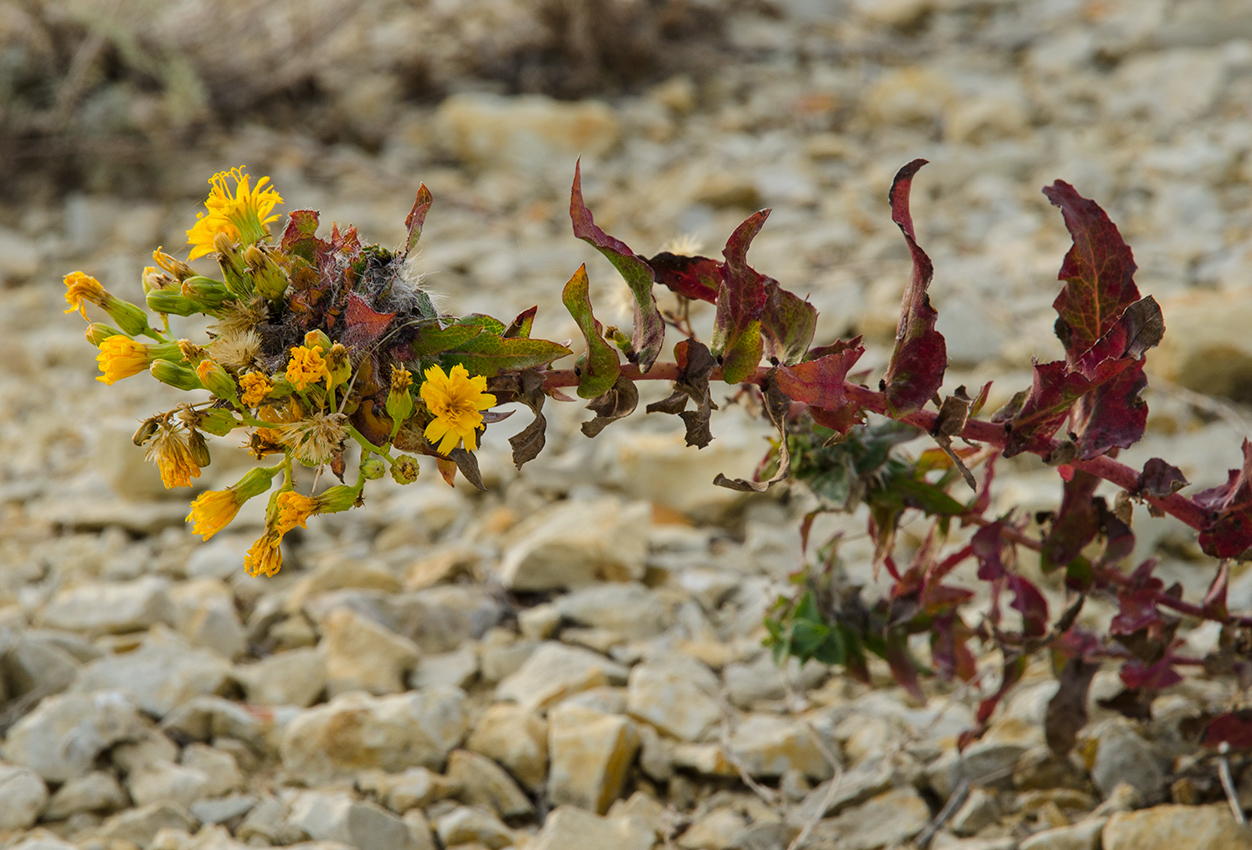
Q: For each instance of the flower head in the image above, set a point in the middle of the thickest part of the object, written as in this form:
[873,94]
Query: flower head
[264,558]
[307,366]
[315,439]
[242,214]
[80,287]
[294,509]
[456,400]
[213,511]
[120,357]
[170,450]
[256,386]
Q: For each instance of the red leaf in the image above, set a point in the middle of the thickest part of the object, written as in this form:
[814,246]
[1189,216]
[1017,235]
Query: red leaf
[362,323]
[820,384]
[740,302]
[520,327]
[1136,610]
[1030,602]
[1067,710]
[417,217]
[1076,523]
[1233,728]
[1215,598]
[903,667]
[1098,272]
[1229,534]
[299,236]
[1160,479]
[987,544]
[649,332]
[1153,677]
[920,355]
[788,323]
[1045,407]
[697,278]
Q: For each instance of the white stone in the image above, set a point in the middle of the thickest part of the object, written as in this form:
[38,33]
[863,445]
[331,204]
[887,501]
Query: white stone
[363,655]
[575,543]
[769,745]
[554,671]
[591,754]
[339,817]
[97,791]
[61,738]
[294,677]
[517,738]
[572,828]
[677,697]
[23,796]
[111,607]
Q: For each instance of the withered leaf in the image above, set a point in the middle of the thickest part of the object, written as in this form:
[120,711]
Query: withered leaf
[776,406]
[1160,479]
[1067,710]
[696,363]
[611,406]
[467,463]
[417,217]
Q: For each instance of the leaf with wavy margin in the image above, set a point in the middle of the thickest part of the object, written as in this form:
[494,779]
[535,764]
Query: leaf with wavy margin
[601,368]
[741,299]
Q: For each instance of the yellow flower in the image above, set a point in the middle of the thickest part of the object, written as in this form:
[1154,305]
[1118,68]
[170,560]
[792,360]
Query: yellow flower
[120,357]
[456,400]
[264,558]
[294,509]
[214,510]
[242,214]
[171,452]
[307,366]
[255,388]
[80,287]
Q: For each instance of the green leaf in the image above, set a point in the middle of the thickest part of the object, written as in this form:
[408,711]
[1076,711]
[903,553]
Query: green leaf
[487,354]
[787,324]
[602,367]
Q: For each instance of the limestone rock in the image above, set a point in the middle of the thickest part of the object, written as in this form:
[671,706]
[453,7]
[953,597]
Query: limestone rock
[362,655]
[111,607]
[415,788]
[221,770]
[676,697]
[482,782]
[450,669]
[575,543]
[160,675]
[140,825]
[206,616]
[1207,349]
[571,828]
[591,755]
[1122,755]
[554,671]
[516,737]
[628,609]
[166,782]
[340,817]
[294,677]
[61,738]
[356,731]
[23,796]
[1168,827]
[464,825]
[97,791]
[35,661]
[869,778]
[526,132]
[718,828]
[1084,835]
[768,745]
[887,820]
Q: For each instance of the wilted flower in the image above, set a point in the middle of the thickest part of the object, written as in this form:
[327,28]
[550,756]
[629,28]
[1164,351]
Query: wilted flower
[171,452]
[307,366]
[457,400]
[241,214]
[214,510]
[264,558]
[314,439]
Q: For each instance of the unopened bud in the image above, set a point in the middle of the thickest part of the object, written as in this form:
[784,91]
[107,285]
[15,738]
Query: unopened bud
[399,398]
[199,449]
[337,498]
[171,303]
[147,429]
[217,421]
[254,482]
[338,364]
[155,281]
[130,318]
[98,332]
[176,376]
[234,272]
[372,468]
[405,469]
[210,294]
[267,275]
[317,339]
[217,380]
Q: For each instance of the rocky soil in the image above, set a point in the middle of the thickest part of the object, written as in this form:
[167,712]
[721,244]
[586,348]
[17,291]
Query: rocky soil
[573,659]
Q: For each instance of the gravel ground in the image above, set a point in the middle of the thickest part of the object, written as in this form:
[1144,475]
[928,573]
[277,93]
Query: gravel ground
[573,659]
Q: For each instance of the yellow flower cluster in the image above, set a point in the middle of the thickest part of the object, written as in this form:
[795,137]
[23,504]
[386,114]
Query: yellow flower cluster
[307,366]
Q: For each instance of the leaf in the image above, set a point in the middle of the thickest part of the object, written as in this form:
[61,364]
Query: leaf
[300,235]
[600,371]
[621,400]
[902,664]
[649,332]
[1030,603]
[1160,479]
[776,404]
[1098,272]
[417,217]
[920,355]
[432,340]
[788,323]
[520,327]
[1135,674]
[820,383]
[1075,525]
[697,278]
[950,422]
[695,363]
[1014,667]
[1229,534]
[1215,599]
[529,442]
[1044,407]
[741,299]
[1067,710]
[487,354]
[467,463]
[948,649]
[363,325]
[1233,728]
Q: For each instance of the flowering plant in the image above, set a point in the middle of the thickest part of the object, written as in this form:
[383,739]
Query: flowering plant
[319,344]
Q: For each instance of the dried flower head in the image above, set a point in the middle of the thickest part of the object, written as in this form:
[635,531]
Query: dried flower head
[170,450]
[456,400]
[80,287]
[315,439]
[237,350]
[241,213]
[264,558]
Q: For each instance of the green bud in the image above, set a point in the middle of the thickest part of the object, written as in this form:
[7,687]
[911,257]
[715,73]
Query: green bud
[132,320]
[98,332]
[146,430]
[267,275]
[217,380]
[199,449]
[219,422]
[405,469]
[338,498]
[372,467]
[176,376]
[317,339]
[338,364]
[254,482]
[234,272]
[399,405]
[171,303]
[210,293]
